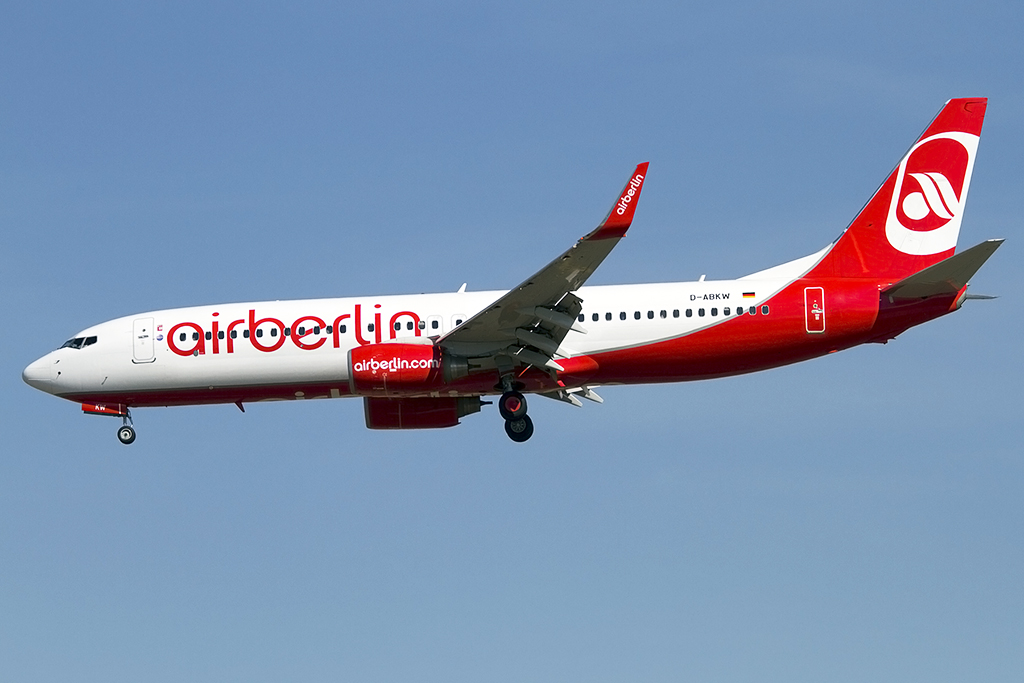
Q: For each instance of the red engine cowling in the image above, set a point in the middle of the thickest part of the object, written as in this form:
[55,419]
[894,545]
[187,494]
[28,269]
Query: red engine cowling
[398,369]
[417,413]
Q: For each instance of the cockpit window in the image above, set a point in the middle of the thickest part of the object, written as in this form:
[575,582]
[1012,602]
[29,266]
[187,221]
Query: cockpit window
[78,342]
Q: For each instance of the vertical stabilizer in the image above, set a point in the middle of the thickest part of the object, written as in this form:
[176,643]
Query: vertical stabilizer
[913,220]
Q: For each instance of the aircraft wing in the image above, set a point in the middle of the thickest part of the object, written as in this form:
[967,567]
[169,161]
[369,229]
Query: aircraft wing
[531,320]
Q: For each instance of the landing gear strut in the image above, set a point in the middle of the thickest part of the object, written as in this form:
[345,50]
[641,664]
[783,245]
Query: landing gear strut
[126,433]
[518,425]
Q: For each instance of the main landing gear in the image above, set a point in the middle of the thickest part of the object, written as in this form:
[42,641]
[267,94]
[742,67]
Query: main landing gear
[518,425]
[126,433]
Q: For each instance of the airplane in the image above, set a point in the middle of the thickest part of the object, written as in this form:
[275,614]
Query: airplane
[428,360]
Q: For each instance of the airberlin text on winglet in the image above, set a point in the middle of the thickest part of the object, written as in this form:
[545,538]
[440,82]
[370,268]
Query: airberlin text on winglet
[631,191]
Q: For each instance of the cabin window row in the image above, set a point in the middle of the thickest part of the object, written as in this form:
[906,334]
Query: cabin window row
[435,324]
[689,312]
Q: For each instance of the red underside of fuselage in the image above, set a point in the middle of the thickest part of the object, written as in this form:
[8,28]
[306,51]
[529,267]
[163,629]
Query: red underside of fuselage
[735,346]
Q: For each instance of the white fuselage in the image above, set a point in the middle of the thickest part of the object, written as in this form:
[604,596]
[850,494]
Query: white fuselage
[260,344]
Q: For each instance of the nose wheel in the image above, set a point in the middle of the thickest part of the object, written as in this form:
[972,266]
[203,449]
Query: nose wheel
[126,433]
[518,425]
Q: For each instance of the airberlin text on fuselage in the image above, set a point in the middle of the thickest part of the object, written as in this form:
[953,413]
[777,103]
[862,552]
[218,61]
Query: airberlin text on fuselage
[307,332]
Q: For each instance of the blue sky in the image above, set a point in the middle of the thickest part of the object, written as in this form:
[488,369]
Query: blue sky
[853,518]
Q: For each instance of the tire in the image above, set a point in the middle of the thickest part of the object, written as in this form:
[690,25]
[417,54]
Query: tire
[512,405]
[519,430]
[126,435]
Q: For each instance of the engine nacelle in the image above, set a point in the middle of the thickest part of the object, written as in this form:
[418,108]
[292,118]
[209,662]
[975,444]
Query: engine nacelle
[400,369]
[417,413]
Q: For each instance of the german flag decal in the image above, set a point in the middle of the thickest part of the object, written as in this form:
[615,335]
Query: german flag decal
[748,295]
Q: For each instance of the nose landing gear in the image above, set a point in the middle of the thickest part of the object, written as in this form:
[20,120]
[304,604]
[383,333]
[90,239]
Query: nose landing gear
[126,433]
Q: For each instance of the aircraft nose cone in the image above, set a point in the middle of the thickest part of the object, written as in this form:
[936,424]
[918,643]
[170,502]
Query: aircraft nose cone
[37,374]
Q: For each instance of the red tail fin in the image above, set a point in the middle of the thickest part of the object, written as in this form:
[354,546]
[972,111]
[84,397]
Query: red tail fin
[913,220]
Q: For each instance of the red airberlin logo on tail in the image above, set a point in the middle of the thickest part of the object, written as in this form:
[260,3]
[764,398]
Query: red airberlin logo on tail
[937,197]
[931,187]
[928,198]
[627,196]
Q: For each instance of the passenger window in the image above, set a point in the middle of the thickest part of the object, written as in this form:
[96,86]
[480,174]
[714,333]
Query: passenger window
[664,314]
[302,331]
[369,328]
[408,325]
[316,329]
[675,313]
[434,324]
[273,331]
[689,312]
[195,336]
[753,310]
[700,312]
[234,334]
[725,311]
[181,337]
[596,317]
[220,334]
[582,317]
[622,315]
[423,324]
[714,311]
[259,333]
[287,331]
[607,316]
[458,321]
[398,326]
[650,315]
[342,329]
[636,315]
[245,333]
[764,310]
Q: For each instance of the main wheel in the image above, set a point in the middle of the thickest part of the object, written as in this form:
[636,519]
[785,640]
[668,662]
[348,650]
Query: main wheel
[512,405]
[519,430]
[126,435]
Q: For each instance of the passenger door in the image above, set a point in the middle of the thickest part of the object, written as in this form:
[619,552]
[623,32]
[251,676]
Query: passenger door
[143,350]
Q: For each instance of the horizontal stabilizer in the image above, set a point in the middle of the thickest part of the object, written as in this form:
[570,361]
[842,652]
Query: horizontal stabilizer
[948,276]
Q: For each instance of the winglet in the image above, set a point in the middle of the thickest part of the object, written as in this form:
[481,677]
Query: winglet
[618,220]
